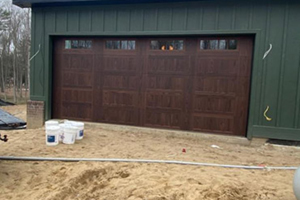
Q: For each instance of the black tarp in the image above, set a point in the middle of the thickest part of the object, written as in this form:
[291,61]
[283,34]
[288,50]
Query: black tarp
[5,103]
[8,121]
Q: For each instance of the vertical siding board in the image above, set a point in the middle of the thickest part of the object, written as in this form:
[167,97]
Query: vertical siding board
[209,17]
[110,17]
[260,22]
[73,21]
[84,20]
[32,51]
[179,19]
[97,20]
[217,17]
[250,16]
[265,47]
[50,22]
[225,17]
[297,110]
[136,20]
[164,19]
[287,121]
[233,17]
[61,21]
[39,59]
[150,20]
[242,16]
[123,23]
[273,63]
[193,19]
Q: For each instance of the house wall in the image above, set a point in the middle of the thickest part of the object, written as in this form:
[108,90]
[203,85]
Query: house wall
[275,80]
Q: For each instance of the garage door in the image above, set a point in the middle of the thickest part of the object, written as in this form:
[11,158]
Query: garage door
[194,83]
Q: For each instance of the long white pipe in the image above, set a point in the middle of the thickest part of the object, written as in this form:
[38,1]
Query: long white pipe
[142,161]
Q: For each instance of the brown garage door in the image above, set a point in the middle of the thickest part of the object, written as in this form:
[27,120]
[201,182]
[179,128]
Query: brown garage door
[192,83]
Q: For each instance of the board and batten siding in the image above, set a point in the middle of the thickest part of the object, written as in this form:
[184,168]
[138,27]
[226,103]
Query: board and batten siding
[275,80]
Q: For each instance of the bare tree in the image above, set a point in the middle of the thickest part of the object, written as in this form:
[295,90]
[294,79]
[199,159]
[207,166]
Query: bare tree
[14,49]
[4,26]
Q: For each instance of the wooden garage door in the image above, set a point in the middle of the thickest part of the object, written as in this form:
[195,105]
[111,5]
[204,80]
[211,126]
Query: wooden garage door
[191,83]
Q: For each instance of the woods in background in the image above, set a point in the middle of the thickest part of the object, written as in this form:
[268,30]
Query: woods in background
[14,51]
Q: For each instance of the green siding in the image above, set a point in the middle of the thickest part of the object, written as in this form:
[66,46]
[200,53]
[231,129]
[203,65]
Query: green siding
[136,20]
[110,20]
[275,80]
[73,21]
[123,21]
[97,21]
[194,18]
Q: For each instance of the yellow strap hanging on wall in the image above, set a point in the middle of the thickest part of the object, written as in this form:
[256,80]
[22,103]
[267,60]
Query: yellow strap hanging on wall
[265,114]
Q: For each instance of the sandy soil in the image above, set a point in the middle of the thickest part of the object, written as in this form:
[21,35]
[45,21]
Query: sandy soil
[93,181]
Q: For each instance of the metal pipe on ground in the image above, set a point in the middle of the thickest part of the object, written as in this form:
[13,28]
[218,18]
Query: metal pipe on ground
[142,161]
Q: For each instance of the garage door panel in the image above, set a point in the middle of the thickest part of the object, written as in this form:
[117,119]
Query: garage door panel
[165,82]
[77,96]
[120,98]
[80,62]
[213,123]
[163,119]
[217,66]
[82,111]
[120,116]
[215,85]
[166,100]
[214,104]
[167,65]
[129,82]
[120,64]
[244,66]
[77,80]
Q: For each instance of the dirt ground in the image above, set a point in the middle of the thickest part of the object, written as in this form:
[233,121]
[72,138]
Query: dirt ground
[110,181]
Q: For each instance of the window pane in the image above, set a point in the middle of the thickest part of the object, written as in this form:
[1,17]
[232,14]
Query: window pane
[232,44]
[162,45]
[131,45]
[178,44]
[109,45]
[81,44]
[74,44]
[167,45]
[68,44]
[204,44]
[213,44]
[88,44]
[222,44]
[116,45]
[124,44]
[154,45]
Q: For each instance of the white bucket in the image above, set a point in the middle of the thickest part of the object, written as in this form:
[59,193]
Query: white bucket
[80,126]
[297,184]
[50,123]
[69,134]
[52,134]
[61,133]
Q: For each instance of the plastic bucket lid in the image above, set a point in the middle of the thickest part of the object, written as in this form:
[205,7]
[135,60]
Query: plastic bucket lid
[78,124]
[51,122]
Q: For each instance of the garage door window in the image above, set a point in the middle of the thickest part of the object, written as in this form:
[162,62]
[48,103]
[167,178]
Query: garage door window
[169,45]
[78,44]
[218,44]
[120,44]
